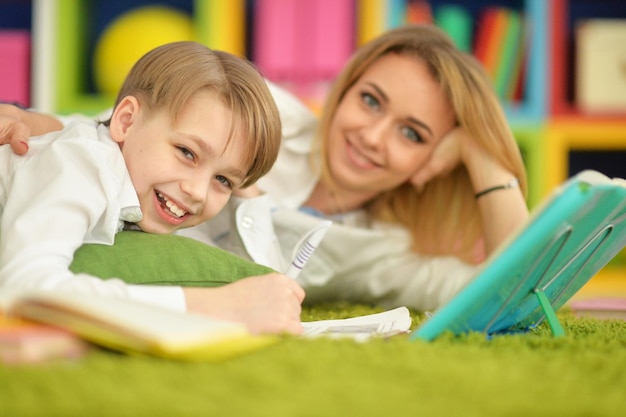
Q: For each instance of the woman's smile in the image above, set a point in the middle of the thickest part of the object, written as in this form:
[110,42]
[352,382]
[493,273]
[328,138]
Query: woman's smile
[358,159]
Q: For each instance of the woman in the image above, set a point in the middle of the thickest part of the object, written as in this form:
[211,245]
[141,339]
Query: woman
[412,159]
[414,162]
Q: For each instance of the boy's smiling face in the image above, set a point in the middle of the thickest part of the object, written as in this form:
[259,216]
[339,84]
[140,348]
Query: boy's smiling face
[183,174]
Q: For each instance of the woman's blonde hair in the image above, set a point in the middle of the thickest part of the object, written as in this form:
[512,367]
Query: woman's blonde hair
[169,75]
[443,218]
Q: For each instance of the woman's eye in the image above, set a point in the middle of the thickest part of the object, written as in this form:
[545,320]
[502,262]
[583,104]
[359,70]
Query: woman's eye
[224,181]
[412,135]
[186,152]
[370,100]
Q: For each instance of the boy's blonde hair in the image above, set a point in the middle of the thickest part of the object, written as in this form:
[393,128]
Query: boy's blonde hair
[443,218]
[169,75]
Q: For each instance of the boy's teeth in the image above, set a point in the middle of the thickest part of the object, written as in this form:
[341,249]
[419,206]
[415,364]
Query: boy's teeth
[173,207]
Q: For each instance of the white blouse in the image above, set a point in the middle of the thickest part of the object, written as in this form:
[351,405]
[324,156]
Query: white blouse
[357,260]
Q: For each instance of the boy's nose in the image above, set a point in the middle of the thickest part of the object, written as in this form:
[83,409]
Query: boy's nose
[197,189]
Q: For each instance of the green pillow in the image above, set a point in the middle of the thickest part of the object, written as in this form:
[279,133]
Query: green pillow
[144,258]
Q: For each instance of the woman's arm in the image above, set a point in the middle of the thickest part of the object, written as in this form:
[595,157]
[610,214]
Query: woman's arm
[18,125]
[502,211]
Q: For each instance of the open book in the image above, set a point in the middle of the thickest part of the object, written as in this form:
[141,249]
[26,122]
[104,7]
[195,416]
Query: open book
[362,328]
[134,327]
[567,240]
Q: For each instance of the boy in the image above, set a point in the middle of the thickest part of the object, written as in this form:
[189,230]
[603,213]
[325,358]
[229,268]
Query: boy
[189,126]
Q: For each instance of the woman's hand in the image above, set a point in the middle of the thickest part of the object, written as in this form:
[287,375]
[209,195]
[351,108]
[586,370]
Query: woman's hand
[444,158]
[266,304]
[13,130]
[456,148]
[18,125]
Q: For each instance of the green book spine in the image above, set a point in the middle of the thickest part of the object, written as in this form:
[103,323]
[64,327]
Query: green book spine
[457,23]
[505,69]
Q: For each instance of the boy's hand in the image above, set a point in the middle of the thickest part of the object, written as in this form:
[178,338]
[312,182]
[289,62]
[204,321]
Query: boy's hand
[266,304]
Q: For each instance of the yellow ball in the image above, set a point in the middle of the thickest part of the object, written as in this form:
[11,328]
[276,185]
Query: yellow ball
[130,36]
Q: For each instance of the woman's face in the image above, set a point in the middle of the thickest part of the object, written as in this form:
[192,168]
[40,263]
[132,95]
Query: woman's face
[387,125]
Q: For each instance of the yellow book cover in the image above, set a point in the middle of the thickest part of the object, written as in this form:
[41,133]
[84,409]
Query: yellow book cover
[370,19]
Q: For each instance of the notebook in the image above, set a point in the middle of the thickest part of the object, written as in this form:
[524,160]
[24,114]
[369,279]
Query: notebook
[573,234]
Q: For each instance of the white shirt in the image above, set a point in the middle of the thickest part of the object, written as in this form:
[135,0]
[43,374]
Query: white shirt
[356,261]
[71,188]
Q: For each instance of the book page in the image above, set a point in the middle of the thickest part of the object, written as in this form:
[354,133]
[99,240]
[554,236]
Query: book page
[361,328]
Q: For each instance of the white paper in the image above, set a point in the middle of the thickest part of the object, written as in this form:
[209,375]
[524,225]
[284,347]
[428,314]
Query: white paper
[361,328]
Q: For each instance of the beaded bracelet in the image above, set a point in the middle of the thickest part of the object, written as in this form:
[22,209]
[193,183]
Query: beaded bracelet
[514,183]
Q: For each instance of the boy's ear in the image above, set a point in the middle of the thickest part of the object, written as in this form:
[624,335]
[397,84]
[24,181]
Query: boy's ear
[124,116]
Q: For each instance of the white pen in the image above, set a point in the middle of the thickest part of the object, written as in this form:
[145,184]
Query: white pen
[307,246]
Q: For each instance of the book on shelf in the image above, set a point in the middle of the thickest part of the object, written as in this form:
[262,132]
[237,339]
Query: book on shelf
[600,81]
[395,13]
[419,11]
[302,42]
[517,84]
[371,19]
[568,238]
[600,307]
[456,21]
[507,65]
[223,24]
[500,45]
[489,29]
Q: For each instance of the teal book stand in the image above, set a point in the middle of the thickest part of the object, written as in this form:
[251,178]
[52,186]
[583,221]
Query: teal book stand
[567,240]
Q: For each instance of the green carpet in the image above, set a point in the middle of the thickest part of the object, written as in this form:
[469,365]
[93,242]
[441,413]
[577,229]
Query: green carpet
[582,374]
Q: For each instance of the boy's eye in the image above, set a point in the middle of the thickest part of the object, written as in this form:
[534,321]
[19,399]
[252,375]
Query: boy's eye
[370,101]
[186,152]
[412,134]
[224,181]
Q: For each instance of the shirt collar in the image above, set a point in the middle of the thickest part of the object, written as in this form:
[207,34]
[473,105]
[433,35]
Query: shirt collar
[129,202]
